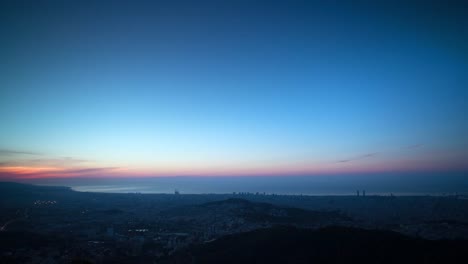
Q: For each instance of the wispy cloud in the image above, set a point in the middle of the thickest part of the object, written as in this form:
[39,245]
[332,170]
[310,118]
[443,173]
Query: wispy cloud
[92,170]
[47,172]
[344,161]
[373,154]
[365,156]
[370,155]
[47,162]
[10,152]
[62,161]
[414,146]
[13,164]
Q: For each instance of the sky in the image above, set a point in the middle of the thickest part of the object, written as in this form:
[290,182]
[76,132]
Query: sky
[232,88]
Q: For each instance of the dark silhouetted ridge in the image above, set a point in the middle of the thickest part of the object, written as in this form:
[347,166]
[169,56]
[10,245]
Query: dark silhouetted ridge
[327,245]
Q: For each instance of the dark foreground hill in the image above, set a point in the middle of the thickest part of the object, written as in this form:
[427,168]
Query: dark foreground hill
[328,245]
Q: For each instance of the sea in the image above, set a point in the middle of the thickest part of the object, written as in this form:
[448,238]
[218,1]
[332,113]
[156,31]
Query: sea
[372,184]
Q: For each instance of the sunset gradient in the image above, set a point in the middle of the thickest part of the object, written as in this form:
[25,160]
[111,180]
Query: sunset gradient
[231,89]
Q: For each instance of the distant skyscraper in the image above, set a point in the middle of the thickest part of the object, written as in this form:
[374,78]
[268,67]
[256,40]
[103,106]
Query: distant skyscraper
[357,193]
[363,192]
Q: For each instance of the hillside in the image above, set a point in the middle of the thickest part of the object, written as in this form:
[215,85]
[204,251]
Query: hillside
[328,245]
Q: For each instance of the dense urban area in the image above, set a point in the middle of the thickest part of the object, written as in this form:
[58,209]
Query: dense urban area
[44,224]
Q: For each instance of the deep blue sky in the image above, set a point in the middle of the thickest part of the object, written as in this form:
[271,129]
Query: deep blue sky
[97,88]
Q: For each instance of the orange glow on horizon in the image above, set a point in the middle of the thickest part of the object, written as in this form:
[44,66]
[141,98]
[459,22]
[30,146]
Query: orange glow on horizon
[27,170]
[30,172]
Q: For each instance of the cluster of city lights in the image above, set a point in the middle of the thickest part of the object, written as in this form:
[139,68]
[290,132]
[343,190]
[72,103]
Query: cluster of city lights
[45,202]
